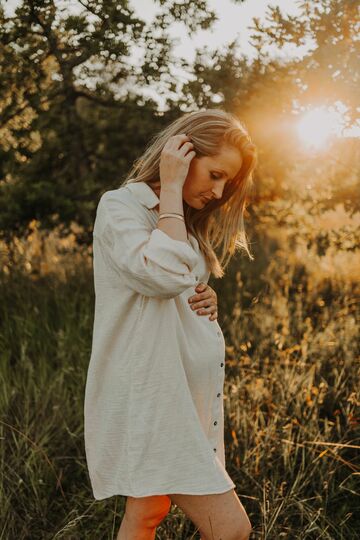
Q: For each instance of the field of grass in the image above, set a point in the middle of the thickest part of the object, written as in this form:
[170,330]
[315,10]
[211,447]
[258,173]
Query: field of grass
[291,325]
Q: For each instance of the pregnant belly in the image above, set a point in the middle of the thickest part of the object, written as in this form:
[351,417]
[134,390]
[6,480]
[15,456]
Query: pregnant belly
[206,352]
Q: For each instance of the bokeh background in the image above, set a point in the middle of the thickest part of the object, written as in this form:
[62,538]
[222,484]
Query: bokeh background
[84,85]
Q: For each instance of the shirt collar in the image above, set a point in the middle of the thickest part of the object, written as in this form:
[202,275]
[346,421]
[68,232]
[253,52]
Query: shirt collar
[143,193]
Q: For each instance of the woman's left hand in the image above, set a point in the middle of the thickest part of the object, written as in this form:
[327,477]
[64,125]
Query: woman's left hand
[205,301]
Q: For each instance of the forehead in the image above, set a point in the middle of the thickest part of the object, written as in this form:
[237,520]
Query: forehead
[228,159]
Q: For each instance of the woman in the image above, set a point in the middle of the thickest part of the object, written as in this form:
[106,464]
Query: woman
[153,406]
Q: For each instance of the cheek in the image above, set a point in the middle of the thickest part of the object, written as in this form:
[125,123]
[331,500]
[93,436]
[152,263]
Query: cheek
[197,180]
[200,178]
[199,186]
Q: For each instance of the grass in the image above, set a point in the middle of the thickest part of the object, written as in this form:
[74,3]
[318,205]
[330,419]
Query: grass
[291,388]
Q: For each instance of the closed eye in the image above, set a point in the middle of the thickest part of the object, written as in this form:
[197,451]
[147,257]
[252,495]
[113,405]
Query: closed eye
[214,177]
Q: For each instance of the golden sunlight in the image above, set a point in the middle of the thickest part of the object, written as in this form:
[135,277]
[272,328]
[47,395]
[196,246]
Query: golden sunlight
[317,125]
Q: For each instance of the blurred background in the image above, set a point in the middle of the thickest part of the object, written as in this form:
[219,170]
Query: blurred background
[84,85]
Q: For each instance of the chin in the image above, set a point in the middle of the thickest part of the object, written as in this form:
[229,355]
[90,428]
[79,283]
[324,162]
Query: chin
[197,206]
[196,203]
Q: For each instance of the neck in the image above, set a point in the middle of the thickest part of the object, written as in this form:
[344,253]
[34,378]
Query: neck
[156,187]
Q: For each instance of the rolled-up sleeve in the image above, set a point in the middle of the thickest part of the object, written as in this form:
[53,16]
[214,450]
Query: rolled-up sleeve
[148,260]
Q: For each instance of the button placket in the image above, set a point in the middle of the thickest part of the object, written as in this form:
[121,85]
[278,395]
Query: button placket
[216,408]
[218,395]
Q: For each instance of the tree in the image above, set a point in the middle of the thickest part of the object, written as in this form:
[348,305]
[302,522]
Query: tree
[65,127]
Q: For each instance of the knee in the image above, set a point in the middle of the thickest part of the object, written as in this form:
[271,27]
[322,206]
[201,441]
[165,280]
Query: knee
[238,534]
[245,532]
[242,531]
[155,517]
[148,515]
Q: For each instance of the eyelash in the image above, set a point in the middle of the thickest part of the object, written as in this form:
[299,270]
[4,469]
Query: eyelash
[214,177]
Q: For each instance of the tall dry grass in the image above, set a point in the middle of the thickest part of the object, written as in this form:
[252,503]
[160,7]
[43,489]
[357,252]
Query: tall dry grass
[290,321]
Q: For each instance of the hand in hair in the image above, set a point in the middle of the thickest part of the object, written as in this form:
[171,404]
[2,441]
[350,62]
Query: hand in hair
[175,161]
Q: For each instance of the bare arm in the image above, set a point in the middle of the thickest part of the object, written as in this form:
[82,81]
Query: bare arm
[174,165]
[171,201]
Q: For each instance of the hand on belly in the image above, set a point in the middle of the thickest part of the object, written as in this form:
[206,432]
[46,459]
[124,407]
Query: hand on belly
[204,302]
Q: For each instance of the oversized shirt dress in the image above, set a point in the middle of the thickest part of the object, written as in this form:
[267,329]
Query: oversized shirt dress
[153,408]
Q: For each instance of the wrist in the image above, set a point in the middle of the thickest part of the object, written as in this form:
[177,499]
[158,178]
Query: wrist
[171,189]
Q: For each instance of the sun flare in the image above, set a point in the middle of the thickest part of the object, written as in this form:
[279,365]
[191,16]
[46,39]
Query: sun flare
[317,125]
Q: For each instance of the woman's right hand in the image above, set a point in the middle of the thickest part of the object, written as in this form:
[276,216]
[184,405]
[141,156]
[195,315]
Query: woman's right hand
[175,161]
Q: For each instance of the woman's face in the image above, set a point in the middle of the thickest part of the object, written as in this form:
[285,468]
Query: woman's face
[208,175]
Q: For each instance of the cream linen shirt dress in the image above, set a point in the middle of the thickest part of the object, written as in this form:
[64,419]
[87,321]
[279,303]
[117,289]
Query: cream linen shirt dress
[153,408]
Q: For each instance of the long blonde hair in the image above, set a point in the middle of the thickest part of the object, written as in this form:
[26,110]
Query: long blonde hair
[221,220]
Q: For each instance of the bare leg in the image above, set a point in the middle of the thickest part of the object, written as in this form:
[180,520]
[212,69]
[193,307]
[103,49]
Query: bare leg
[216,516]
[129,531]
[142,516]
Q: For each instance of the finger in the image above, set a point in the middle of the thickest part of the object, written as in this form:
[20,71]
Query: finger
[206,311]
[203,304]
[180,139]
[201,286]
[206,293]
[174,141]
[205,297]
[186,147]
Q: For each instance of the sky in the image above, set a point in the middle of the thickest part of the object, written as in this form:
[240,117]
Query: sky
[234,20]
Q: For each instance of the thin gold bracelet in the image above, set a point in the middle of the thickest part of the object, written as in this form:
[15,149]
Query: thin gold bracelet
[172,213]
[178,216]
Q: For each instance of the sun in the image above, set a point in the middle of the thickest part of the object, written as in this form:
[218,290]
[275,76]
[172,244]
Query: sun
[318,125]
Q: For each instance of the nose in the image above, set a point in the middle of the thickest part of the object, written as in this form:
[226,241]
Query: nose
[217,190]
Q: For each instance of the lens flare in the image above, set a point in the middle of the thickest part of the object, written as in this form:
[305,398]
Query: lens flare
[318,125]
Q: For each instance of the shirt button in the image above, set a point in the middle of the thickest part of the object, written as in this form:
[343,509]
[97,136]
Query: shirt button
[221,365]
[218,395]
[215,423]
[196,277]
[214,449]
[218,333]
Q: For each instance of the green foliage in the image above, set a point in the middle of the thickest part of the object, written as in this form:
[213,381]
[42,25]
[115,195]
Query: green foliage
[66,133]
[70,127]
[329,71]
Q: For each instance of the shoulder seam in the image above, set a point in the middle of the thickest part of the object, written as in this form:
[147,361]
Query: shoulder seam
[126,201]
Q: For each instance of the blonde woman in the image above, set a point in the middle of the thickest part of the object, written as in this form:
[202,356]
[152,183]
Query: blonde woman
[153,411]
